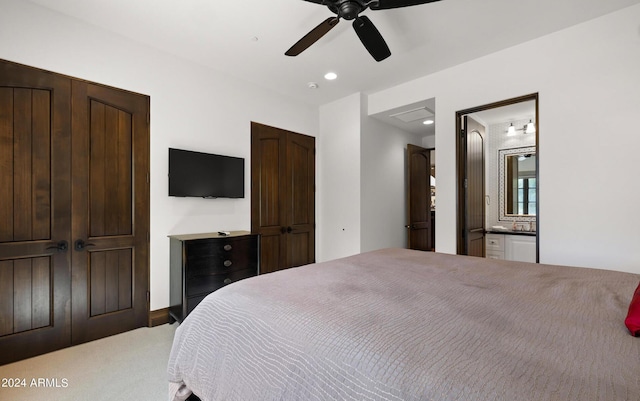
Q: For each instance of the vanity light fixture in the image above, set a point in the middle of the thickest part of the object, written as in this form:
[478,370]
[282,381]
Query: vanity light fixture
[528,128]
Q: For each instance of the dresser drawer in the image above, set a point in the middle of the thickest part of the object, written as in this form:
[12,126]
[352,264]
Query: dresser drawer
[203,263]
[208,283]
[493,254]
[494,242]
[204,257]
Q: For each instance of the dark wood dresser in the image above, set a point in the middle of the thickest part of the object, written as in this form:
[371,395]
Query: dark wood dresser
[203,263]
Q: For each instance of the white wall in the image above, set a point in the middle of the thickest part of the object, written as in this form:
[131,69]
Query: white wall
[361,171]
[338,161]
[191,107]
[588,84]
[383,184]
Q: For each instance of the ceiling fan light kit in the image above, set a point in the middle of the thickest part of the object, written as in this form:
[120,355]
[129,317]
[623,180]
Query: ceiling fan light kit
[365,29]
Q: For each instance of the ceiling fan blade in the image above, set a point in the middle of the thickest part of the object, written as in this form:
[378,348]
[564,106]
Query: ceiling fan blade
[387,4]
[313,36]
[371,38]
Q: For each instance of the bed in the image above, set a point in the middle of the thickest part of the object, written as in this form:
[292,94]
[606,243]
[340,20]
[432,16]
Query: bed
[397,324]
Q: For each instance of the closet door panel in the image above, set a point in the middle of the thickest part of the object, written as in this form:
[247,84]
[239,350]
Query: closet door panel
[300,199]
[6,297]
[268,203]
[35,210]
[110,180]
[6,164]
[270,182]
[111,214]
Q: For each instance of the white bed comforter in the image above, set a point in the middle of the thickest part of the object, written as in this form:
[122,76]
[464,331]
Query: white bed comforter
[406,325]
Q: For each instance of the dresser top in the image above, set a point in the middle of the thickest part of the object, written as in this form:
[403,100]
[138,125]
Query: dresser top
[187,237]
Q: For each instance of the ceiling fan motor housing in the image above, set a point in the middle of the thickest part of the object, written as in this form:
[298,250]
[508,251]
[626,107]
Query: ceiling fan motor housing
[347,9]
[365,29]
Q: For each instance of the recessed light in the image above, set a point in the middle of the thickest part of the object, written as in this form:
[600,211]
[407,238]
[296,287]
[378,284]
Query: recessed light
[427,122]
[330,76]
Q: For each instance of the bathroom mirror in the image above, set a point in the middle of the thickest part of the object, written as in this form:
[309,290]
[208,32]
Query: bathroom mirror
[517,183]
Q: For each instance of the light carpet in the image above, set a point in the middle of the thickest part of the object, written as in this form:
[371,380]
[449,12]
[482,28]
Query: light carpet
[128,366]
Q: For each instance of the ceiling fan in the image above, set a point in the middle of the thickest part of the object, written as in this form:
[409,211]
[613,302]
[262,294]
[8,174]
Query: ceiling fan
[350,10]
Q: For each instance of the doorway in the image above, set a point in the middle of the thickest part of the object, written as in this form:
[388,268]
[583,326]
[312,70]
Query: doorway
[483,209]
[420,198]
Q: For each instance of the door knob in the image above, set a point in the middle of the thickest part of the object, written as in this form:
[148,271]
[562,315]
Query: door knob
[61,246]
[80,245]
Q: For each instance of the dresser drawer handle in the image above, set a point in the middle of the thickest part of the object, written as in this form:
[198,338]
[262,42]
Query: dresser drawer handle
[227,281]
[228,247]
[227,263]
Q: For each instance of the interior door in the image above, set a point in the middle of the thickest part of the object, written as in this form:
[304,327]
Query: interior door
[300,204]
[419,198]
[268,155]
[110,196]
[283,196]
[473,139]
[35,212]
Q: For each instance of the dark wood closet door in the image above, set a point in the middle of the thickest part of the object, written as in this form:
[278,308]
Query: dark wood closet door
[474,187]
[283,196]
[300,199]
[35,212]
[74,162]
[419,198]
[110,198]
[268,155]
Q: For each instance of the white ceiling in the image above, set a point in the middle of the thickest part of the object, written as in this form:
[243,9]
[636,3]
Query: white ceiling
[247,38]
[507,114]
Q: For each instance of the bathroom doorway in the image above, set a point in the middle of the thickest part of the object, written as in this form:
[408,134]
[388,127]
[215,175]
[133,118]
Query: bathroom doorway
[488,137]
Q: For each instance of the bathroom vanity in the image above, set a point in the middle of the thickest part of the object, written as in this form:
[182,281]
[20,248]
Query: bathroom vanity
[511,245]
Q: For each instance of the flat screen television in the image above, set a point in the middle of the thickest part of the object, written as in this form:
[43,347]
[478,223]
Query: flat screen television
[205,175]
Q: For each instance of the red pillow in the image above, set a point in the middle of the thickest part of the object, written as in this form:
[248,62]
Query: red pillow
[633,317]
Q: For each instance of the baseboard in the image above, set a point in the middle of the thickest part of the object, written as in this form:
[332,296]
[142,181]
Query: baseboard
[158,317]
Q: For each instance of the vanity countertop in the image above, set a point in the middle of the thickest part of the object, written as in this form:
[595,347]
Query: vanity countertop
[511,232]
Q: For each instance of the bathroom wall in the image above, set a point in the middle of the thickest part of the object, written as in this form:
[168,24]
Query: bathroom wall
[496,139]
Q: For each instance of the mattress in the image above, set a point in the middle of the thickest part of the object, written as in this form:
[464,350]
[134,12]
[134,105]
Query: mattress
[398,324]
